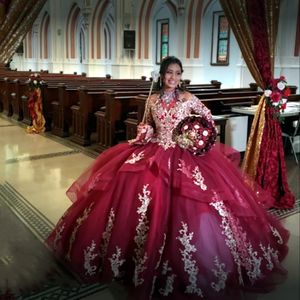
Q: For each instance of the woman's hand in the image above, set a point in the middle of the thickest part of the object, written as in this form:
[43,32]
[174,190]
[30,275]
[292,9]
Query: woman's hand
[144,134]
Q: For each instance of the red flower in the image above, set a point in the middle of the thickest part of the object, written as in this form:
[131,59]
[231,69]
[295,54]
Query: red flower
[276,96]
[287,92]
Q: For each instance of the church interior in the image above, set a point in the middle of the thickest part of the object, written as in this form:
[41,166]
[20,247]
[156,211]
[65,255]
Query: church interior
[95,62]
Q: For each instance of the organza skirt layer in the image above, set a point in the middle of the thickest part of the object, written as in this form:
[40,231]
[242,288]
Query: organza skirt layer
[170,224]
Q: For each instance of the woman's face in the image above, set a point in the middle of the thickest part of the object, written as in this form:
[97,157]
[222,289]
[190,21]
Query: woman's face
[172,77]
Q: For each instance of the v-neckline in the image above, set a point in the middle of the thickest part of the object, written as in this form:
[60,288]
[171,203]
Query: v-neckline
[168,106]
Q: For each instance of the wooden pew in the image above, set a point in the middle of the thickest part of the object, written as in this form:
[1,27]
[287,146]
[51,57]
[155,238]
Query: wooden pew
[2,89]
[222,103]
[10,96]
[119,113]
[110,119]
[252,88]
[61,108]
[83,119]
[135,117]
[57,102]
[50,104]
[62,113]
[107,119]
[71,94]
[214,84]
[6,92]
[26,114]
[294,97]
[49,95]
[20,89]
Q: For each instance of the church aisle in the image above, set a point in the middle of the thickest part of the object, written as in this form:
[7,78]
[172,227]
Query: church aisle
[39,168]
[36,172]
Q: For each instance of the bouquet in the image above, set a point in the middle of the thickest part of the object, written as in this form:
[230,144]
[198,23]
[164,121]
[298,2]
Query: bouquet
[35,81]
[196,134]
[277,95]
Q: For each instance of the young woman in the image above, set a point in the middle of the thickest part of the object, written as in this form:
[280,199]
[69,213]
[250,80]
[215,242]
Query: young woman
[165,222]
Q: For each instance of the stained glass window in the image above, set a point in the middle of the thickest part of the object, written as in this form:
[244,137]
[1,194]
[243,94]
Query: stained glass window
[162,49]
[220,40]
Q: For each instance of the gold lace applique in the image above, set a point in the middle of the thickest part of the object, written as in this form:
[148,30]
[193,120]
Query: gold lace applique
[194,174]
[58,235]
[199,179]
[160,251]
[89,256]
[116,262]
[270,255]
[189,263]
[135,157]
[79,222]
[107,233]
[236,240]
[141,236]
[169,286]
[277,234]
[220,274]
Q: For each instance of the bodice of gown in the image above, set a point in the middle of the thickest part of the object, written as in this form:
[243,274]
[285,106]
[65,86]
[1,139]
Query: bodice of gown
[167,116]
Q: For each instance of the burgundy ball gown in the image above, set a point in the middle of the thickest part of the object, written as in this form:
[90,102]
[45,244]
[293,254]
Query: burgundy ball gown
[169,224]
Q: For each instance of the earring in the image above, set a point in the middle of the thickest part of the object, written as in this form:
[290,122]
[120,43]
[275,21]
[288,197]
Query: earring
[182,85]
[179,84]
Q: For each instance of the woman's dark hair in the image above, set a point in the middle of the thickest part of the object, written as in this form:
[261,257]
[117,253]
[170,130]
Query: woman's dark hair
[168,61]
[164,67]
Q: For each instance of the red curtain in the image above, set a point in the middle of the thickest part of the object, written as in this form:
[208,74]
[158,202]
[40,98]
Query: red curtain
[254,23]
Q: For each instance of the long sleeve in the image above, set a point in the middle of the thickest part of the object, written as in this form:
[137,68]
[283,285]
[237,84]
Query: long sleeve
[145,128]
[148,119]
[199,108]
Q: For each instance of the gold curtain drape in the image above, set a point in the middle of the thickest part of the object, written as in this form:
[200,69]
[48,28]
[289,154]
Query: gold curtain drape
[238,16]
[255,23]
[15,24]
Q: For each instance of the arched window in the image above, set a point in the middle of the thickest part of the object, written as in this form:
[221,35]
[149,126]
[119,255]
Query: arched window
[220,39]
[162,40]
[45,37]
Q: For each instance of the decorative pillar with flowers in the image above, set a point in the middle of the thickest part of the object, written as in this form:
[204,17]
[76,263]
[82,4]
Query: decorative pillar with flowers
[35,104]
[276,96]
[255,24]
[264,159]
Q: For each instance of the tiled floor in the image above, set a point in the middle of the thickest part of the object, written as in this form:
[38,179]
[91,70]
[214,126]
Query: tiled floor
[36,170]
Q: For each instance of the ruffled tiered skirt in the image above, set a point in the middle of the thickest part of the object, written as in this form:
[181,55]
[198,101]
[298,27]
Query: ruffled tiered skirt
[168,224]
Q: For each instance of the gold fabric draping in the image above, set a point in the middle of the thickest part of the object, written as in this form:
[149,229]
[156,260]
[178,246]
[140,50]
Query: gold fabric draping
[253,147]
[35,107]
[272,17]
[237,16]
[15,24]
[236,12]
